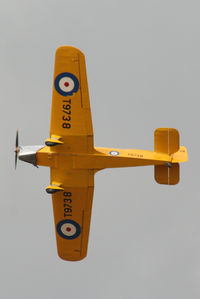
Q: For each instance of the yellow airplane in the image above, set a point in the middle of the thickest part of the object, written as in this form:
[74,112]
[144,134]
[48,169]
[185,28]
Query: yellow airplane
[73,159]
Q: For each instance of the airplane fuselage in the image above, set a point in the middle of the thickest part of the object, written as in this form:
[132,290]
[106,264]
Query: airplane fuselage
[100,158]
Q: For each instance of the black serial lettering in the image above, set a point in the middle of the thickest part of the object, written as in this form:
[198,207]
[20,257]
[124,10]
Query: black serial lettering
[67,204]
[66,110]
[135,155]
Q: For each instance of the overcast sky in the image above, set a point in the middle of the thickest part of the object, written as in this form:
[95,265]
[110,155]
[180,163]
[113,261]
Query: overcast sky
[143,72]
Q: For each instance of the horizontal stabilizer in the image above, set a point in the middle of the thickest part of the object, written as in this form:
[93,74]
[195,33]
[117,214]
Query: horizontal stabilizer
[167,175]
[166,140]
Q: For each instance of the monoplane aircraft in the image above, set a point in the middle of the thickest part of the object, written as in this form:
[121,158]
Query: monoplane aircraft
[73,159]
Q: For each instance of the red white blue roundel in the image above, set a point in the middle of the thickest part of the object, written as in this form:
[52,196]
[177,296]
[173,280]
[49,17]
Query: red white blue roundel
[114,153]
[66,84]
[68,229]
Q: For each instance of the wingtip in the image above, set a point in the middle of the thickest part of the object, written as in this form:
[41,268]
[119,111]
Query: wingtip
[71,257]
[66,50]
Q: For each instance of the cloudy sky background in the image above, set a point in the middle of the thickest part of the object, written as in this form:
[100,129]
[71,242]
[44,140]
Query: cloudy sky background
[143,71]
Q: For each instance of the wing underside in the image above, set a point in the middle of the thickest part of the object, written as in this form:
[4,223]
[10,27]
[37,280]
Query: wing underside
[72,212]
[70,114]
[71,131]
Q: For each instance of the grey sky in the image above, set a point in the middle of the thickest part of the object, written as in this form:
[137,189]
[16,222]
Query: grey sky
[143,71]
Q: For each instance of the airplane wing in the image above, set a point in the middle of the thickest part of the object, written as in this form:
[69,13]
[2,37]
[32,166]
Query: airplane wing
[71,121]
[72,211]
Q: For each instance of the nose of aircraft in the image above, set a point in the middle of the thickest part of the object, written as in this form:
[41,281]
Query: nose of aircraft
[28,153]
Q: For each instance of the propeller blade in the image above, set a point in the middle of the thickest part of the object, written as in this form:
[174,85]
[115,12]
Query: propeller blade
[15,161]
[16,148]
[17,139]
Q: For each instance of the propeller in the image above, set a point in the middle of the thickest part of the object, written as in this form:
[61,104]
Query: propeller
[16,148]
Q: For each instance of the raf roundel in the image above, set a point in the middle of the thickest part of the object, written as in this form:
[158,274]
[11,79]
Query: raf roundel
[66,84]
[114,153]
[68,229]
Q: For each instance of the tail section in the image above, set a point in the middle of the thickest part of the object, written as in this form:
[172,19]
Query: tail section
[166,141]
[181,155]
